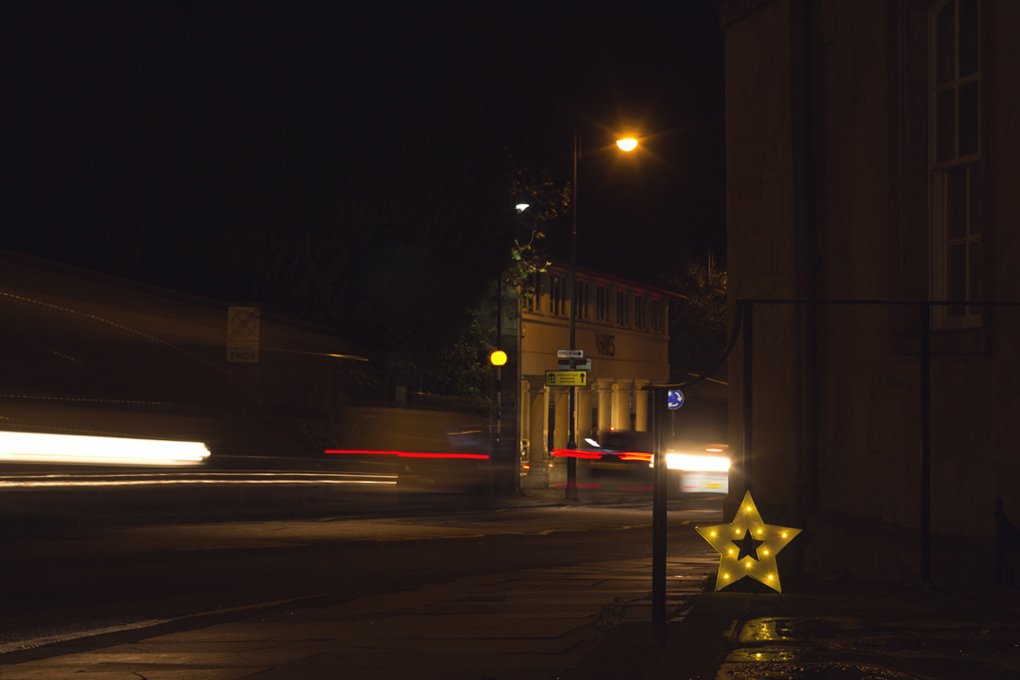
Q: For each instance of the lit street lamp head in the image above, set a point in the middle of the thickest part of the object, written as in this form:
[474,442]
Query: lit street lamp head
[628,144]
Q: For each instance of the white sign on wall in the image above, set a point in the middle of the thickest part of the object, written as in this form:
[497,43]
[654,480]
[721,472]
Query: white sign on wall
[243,334]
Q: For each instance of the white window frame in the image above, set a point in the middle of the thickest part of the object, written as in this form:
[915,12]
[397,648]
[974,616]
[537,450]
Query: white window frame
[939,172]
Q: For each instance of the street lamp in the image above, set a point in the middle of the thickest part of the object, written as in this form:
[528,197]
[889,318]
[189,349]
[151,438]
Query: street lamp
[626,144]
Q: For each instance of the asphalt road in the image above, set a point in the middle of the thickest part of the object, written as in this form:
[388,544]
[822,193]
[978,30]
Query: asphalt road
[173,577]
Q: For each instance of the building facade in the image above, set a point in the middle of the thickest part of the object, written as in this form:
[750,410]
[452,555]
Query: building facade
[622,328]
[873,155]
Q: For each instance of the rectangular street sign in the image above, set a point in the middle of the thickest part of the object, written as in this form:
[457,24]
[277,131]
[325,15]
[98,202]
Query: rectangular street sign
[579,364]
[566,378]
[570,353]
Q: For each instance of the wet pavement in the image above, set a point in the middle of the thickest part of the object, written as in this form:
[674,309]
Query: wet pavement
[527,625]
[830,631]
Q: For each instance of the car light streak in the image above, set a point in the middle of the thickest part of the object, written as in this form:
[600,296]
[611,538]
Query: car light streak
[570,453]
[26,481]
[31,447]
[689,463]
[407,454]
[635,455]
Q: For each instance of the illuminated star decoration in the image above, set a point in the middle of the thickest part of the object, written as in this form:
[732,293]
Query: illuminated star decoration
[748,547]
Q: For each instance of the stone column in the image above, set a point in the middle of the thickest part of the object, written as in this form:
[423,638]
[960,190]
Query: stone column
[562,435]
[641,405]
[583,414]
[539,426]
[605,390]
[622,392]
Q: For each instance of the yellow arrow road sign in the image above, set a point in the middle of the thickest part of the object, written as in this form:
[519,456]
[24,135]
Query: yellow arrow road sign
[566,378]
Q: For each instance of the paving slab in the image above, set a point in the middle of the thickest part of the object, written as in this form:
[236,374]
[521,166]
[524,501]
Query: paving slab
[531,624]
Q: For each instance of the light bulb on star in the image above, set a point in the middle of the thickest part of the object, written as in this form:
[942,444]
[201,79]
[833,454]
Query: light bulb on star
[748,547]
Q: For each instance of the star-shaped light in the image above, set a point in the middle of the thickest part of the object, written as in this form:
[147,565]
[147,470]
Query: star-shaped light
[748,547]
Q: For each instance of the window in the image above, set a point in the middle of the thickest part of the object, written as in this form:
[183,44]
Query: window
[954,159]
[658,315]
[621,308]
[556,306]
[531,292]
[602,304]
[582,300]
[639,311]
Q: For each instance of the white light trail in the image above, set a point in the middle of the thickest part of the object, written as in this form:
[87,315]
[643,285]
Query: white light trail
[31,447]
[689,463]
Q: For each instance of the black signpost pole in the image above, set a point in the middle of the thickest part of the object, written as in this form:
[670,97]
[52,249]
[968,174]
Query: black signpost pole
[659,490]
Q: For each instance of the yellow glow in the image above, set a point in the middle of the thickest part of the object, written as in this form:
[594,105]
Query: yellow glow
[761,566]
[689,463]
[628,144]
[498,358]
[31,447]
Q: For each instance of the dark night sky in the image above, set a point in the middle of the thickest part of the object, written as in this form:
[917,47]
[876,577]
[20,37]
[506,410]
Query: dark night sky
[130,126]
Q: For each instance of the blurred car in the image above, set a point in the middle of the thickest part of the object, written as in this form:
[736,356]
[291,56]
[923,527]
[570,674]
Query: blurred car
[702,469]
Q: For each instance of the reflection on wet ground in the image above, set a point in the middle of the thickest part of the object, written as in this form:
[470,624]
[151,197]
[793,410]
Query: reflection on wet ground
[838,647]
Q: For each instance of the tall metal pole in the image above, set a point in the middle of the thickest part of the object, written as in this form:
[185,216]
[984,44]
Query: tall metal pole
[747,455]
[572,439]
[925,442]
[499,369]
[659,491]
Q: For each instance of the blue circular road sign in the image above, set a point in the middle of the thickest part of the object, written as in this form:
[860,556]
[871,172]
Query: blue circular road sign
[674,399]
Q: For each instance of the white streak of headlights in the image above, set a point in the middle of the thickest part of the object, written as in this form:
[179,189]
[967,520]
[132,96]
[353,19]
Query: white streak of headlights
[689,463]
[30,447]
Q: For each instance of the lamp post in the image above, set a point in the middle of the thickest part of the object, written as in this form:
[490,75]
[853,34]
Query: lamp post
[626,144]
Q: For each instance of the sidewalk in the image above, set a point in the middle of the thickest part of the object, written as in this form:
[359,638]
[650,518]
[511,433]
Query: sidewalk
[826,630]
[527,625]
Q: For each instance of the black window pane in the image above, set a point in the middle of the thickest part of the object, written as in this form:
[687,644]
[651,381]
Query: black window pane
[968,118]
[956,277]
[945,44]
[974,275]
[956,203]
[945,124]
[974,207]
[968,37]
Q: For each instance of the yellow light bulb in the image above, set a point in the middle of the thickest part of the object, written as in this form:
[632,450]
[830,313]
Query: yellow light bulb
[628,144]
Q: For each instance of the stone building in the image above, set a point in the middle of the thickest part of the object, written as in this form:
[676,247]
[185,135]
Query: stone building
[621,326]
[873,154]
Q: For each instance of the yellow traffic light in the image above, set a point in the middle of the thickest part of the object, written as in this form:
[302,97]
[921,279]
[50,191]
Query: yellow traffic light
[498,358]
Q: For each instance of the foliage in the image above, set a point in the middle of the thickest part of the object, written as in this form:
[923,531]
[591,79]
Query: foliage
[697,325]
[546,202]
[461,370]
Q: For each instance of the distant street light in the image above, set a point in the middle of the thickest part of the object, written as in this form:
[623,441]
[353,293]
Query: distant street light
[628,144]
